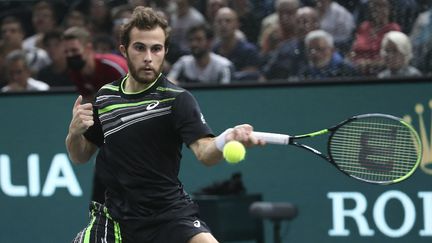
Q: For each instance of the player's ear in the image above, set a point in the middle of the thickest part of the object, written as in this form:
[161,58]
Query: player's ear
[122,50]
[166,50]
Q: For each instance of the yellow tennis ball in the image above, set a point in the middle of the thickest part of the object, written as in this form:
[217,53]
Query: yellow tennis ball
[234,152]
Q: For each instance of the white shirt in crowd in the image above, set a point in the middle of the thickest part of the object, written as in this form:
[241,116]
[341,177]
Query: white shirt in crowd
[32,85]
[218,71]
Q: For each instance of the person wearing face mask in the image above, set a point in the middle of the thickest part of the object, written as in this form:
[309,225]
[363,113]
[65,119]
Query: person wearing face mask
[87,69]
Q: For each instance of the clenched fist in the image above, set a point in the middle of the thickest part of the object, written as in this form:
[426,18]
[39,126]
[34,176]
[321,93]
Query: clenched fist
[82,117]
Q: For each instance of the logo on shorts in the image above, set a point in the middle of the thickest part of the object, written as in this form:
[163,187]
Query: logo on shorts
[197,223]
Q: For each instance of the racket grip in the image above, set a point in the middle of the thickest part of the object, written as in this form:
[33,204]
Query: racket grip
[273,138]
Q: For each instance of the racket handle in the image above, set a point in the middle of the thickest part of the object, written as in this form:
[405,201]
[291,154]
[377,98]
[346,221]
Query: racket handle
[273,138]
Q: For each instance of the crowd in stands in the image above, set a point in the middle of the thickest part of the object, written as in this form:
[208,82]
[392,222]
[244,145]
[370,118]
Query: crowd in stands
[58,44]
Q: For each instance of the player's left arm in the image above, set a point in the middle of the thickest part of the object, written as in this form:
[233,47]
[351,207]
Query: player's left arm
[208,150]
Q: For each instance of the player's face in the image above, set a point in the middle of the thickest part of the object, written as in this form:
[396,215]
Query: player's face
[145,54]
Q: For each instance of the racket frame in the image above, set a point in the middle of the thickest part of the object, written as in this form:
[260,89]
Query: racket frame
[292,140]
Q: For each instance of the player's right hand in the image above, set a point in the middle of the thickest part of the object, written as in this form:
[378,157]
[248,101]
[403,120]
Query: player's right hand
[82,117]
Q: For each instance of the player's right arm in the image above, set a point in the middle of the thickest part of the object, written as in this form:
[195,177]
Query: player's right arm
[79,148]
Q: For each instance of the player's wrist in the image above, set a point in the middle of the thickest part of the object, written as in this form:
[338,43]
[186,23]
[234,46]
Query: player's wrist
[220,140]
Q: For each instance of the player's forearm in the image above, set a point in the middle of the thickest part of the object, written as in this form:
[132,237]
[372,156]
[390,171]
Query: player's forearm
[80,150]
[206,151]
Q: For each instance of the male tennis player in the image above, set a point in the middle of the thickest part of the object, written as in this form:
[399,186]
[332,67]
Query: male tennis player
[139,124]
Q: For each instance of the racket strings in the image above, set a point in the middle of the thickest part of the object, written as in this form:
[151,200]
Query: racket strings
[375,149]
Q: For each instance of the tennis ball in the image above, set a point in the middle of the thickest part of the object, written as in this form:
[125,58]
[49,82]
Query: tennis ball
[234,152]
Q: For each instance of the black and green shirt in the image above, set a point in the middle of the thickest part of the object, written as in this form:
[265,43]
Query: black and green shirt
[140,136]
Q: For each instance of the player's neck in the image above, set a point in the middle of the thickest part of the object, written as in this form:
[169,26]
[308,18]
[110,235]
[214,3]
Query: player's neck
[130,85]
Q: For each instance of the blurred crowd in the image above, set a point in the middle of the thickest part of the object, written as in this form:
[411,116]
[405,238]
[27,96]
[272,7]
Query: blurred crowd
[48,45]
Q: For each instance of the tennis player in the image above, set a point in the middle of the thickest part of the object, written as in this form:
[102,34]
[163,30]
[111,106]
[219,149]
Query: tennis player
[139,124]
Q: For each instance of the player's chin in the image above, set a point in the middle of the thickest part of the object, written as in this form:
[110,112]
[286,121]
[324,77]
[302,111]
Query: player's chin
[146,77]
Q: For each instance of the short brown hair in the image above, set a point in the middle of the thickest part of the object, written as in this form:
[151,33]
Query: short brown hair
[79,33]
[144,18]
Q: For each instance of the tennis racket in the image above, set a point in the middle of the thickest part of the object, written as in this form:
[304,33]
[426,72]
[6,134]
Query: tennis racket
[374,148]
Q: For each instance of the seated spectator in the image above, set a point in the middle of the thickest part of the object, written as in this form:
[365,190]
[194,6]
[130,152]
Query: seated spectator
[44,19]
[365,51]
[18,74]
[89,70]
[12,37]
[248,19]
[396,51]
[55,74]
[202,66]
[405,13]
[421,39]
[212,6]
[183,19]
[243,54]
[337,21]
[323,60]
[99,15]
[283,30]
[75,17]
[286,61]
[269,21]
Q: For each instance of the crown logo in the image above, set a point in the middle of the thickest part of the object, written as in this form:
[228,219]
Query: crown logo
[426,163]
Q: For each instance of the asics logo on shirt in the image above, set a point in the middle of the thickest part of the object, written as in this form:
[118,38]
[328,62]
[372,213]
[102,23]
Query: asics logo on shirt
[197,223]
[151,106]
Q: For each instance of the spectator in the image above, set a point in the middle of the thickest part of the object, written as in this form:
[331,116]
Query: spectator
[44,19]
[396,51]
[365,51]
[421,38]
[202,66]
[18,74]
[12,36]
[323,59]
[249,21]
[120,15]
[283,30]
[89,70]
[337,21]
[212,6]
[185,17]
[405,13]
[287,60]
[55,74]
[243,54]
[269,21]
[75,17]
[99,17]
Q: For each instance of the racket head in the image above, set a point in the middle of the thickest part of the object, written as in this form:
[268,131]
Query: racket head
[375,148]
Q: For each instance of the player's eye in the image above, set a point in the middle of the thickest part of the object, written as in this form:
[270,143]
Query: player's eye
[139,47]
[156,48]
